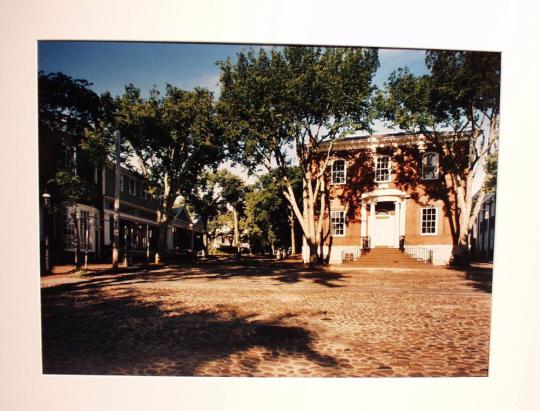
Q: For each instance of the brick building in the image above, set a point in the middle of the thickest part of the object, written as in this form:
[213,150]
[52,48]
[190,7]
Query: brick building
[93,213]
[387,190]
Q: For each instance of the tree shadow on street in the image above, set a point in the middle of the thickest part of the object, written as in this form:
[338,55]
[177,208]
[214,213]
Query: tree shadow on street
[249,268]
[479,278]
[119,333]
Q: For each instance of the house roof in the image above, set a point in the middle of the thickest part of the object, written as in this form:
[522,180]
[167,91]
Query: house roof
[357,141]
[182,218]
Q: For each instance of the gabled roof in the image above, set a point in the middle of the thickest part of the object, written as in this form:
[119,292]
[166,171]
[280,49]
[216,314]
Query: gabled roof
[182,218]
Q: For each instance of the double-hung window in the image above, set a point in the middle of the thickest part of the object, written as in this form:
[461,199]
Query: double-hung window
[131,186]
[430,166]
[337,221]
[339,172]
[429,221]
[143,191]
[382,169]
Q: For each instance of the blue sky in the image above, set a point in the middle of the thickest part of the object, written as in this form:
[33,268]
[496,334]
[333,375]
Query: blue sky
[112,65]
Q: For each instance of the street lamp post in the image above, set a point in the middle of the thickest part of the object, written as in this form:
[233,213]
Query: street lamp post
[148,234]
[125,245]
[46,205]
[86,245]
[116,215]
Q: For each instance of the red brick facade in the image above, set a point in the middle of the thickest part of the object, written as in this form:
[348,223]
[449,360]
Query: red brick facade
[387,191]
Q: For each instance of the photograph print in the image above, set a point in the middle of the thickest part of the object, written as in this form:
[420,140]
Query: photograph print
[266,210]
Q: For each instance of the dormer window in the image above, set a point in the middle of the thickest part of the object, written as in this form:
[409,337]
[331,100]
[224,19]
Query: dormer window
[339,172]
[382,169]
[430,166]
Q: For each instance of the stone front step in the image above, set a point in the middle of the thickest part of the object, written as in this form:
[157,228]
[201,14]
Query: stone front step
[386,257]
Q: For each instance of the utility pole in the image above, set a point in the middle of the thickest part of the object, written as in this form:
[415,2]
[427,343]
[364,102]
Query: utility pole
[116,217]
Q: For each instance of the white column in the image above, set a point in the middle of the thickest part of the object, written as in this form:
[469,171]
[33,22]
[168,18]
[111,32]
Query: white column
[363,220]
[371,221]
[397,223]
[402,217]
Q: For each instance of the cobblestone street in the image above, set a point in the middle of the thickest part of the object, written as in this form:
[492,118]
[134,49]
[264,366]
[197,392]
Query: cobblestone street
[258,317]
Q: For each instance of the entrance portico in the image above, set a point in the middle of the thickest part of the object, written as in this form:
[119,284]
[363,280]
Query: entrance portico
[386,221]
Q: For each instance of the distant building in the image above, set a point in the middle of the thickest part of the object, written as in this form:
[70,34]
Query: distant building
[483,235]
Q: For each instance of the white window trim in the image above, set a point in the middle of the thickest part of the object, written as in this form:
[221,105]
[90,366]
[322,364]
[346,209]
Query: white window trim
[344,224]
[344,172]
[389,168]
[93,215]
[436,167]
[436,221]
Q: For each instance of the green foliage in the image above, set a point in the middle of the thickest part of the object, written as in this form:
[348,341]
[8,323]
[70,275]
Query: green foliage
[66,105]
[490,183]
[300,96]
[70,114]
[173,135]
[70,185]
[276,109]
[220,222]
[206,198]
[459,88]
[267,219]
[233,190]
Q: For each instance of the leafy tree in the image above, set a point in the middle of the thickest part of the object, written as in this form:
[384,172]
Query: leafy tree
[69,112]
[233,193]
[220,223]
[206,201]
[456,107]
[269,220]
[172,136]
[279,107]
[490,183]
[66,105]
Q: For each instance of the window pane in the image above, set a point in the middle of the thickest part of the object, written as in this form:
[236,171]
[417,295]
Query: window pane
[338,172]
[382,169]
[430,165]
[429,221]
[337,219]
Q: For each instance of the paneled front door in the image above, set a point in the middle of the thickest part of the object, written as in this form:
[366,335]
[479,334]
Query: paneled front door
[382,232]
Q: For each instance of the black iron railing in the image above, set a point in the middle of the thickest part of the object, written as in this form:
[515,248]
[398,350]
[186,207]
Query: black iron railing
[418,253]
[366,243]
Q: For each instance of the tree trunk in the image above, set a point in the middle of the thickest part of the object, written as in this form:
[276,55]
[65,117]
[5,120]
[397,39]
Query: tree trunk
[164,217]
[236,233]
[77,235]
[293,238]
[162,247]
[306,219]
[313,255]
